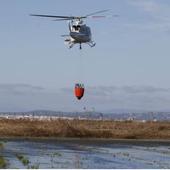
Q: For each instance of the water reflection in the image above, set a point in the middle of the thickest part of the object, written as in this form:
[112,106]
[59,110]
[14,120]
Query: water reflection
[85,154]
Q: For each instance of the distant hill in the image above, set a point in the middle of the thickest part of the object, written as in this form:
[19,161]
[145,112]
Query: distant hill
[97,115]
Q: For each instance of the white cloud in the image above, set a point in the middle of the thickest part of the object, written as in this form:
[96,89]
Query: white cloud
[158,14]
[19,97]
[147,5]
[19,88]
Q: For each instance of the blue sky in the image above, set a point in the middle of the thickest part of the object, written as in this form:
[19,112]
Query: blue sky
[37,71]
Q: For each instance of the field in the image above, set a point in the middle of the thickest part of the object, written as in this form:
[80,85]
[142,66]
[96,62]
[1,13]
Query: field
[84,129]
[64,143]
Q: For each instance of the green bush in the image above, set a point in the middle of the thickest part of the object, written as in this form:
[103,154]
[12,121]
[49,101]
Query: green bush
[3,163]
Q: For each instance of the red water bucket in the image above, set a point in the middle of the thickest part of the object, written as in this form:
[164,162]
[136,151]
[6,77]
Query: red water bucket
[79,91]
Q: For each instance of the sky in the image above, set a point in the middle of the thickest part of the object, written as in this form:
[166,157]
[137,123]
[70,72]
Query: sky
[128,68]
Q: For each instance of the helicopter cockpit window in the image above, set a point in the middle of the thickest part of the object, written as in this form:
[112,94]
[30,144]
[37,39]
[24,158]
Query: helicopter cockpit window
[83,29]
[76,27]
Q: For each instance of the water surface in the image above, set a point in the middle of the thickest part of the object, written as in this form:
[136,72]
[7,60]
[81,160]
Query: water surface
[84,153]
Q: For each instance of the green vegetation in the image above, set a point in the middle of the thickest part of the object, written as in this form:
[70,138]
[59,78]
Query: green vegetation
[23,159]
[54,154]
[34,166]
[57,154]
[1,145]
[3,163]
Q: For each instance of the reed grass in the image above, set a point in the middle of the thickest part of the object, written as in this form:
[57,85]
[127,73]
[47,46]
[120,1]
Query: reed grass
[84,129]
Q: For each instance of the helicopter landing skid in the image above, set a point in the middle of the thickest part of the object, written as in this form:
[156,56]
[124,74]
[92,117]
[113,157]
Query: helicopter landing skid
[91,44]
[71,44]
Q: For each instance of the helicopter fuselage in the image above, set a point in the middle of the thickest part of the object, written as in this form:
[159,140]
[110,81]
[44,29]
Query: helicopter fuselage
[80,33]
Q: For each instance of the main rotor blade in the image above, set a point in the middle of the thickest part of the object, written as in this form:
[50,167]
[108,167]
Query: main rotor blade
[64,19]
[92,15]
[52,16]
[97,16]
[102,16]
[98,12]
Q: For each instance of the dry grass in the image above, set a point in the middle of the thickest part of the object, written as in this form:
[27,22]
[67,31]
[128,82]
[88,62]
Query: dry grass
[84,129]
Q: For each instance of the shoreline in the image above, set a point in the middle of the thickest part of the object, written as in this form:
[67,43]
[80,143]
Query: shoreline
[84,139]
[90,142]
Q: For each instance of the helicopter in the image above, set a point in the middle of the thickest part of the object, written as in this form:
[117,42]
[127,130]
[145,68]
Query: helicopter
[79,32]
